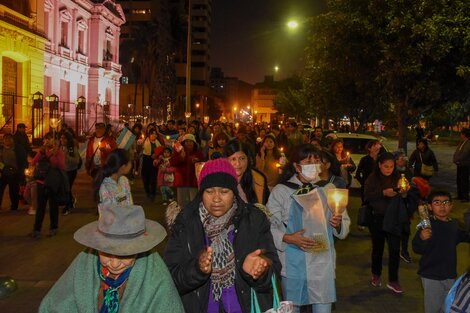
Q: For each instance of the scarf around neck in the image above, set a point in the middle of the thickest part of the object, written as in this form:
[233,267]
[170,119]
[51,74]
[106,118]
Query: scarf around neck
[111,289]
[223,256]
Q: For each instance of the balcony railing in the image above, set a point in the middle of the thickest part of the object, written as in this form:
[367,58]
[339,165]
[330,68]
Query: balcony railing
[111,66]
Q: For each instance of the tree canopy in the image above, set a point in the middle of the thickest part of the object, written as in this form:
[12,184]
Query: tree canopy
[365,57]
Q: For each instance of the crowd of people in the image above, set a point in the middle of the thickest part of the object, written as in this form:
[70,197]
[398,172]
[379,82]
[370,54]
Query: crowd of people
[253,208]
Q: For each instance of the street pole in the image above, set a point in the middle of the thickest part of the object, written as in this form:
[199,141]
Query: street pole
[188,64]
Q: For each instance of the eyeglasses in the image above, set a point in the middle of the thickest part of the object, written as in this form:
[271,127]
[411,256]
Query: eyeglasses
[441,202]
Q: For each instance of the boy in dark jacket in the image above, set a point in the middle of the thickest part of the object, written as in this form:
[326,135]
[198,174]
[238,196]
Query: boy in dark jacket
[437,245]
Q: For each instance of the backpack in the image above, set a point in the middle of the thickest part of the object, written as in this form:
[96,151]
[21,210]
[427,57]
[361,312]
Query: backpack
[42,167]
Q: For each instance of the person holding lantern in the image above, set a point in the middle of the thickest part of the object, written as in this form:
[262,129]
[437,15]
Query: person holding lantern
[385,190]
[304,242]
[347,165]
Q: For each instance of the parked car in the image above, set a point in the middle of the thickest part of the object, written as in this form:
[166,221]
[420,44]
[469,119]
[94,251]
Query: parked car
[355,144]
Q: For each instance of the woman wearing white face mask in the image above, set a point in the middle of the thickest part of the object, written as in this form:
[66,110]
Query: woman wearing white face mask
[307,275]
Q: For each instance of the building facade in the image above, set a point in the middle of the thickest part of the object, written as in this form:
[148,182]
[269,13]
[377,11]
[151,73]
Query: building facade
[21,60]
[56,51]
[81,58]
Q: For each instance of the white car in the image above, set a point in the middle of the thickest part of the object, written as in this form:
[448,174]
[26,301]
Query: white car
[355,144]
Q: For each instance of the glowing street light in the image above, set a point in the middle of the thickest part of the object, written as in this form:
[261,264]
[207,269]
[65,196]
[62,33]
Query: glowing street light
[276,68]
[292,24]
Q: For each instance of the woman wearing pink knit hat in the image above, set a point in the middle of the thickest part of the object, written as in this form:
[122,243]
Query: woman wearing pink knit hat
[221,247]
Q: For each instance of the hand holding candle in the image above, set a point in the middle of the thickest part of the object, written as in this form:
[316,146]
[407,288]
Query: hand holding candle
[337,200]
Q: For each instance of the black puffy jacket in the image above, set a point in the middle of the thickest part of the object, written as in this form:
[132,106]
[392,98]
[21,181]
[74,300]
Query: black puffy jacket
[252,231]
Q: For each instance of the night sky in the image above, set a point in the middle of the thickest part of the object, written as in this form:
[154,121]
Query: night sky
[250,37]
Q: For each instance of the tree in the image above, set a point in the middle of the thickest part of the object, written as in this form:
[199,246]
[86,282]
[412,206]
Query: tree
[291,98]
[411,56]
[149,58]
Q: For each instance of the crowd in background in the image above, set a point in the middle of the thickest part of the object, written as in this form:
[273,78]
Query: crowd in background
[270,167]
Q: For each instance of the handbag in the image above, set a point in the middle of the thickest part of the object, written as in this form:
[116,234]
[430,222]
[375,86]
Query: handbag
[364,216]
[278,306]
[426,170]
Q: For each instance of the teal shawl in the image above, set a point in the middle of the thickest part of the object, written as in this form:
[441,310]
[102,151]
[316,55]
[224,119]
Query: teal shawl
[150,288]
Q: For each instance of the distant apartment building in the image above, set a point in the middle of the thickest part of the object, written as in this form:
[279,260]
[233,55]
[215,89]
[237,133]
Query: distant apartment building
[235,93]
[262,100]
[52,53]
[201,26]
[134,97]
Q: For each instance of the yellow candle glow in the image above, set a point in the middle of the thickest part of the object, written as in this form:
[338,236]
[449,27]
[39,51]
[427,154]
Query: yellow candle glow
[337,199]
[27,172]
[167,137]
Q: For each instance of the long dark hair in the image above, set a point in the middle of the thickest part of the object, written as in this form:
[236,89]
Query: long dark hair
[299,153]
[386,156]
[276,153]
[246,181]
[70,145]
[327,157]
[116,159]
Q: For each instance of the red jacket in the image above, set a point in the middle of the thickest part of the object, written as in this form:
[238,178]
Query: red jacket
[185,167]
[107,145]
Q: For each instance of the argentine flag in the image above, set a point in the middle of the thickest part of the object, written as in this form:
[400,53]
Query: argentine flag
[125,139]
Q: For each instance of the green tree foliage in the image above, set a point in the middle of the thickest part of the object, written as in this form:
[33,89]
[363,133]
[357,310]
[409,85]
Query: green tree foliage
[291,98]
[367,56]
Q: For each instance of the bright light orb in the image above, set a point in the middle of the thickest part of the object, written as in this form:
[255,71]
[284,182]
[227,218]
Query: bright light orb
[292,24]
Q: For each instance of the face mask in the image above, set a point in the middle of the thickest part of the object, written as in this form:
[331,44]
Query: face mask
[310,172]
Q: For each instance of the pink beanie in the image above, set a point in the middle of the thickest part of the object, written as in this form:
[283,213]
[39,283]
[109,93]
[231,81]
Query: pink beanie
[218,173]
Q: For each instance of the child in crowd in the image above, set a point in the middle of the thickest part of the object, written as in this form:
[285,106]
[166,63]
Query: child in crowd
[437,245]
[166,176]
[30,192]
[111,183]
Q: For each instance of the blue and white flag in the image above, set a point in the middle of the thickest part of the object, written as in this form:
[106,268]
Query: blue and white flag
[125,139]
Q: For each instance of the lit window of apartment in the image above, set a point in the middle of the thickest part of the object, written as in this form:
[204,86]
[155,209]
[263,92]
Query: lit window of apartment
[141,11]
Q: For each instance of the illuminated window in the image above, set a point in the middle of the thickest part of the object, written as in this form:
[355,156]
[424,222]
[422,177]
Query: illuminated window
[141,11]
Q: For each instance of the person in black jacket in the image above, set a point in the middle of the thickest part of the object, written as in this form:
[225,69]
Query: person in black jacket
[221,247]
[384,194]
[438,248]
[13,161]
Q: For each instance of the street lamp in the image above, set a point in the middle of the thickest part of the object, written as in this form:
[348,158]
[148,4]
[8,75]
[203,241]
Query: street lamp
[187,115]
[188,64]
[234,113]
[53,101]
[79,114]
[37,117]
[292,24]
[54,123]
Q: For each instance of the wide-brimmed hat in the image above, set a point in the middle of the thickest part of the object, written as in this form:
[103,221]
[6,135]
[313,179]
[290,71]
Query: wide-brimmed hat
[121,230]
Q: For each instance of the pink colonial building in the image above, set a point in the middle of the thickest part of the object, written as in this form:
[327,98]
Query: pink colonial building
[81,59]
